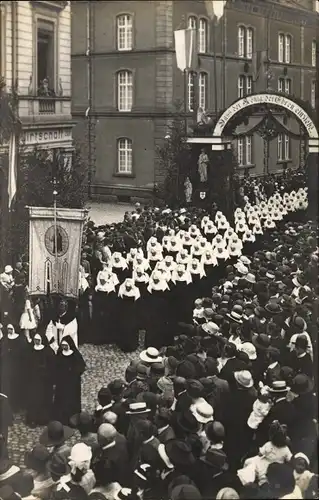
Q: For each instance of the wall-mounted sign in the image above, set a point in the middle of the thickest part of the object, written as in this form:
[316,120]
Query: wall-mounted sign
[277,100]
[46,136]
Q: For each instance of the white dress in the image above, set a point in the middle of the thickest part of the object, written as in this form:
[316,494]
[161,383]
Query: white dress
[27,320]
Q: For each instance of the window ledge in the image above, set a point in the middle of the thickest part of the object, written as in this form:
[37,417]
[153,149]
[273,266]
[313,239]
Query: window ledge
[119,174]
[243,167]
[284,161]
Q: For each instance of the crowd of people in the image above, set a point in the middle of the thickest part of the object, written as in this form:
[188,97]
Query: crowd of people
[220,403]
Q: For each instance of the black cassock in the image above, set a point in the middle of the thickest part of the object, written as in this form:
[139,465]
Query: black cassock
[126,323]
[40,386]
[103,317]
[67,398]
[157,304]
[13,368]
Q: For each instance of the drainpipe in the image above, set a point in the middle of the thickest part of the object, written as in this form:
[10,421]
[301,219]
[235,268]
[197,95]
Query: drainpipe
[89,92]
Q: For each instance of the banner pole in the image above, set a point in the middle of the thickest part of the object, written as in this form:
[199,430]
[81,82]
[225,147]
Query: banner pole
[55,231]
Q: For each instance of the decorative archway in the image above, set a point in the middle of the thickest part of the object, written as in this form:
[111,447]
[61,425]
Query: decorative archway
[279,100]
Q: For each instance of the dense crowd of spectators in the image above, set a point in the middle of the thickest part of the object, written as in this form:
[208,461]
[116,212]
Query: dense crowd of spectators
[221,402]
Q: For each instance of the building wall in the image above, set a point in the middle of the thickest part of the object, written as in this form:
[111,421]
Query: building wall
[158,83]
[57,120]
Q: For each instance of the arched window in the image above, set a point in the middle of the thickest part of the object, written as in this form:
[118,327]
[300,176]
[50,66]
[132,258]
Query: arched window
[124,32]
[124,90]
[124,156]
[192,22]
[202,36]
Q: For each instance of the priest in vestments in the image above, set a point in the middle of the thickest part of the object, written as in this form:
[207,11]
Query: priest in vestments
[63,323]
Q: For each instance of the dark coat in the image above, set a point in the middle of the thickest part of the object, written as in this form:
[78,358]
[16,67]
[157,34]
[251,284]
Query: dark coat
[166,435]
[232,365]
[149,453]
[112,464]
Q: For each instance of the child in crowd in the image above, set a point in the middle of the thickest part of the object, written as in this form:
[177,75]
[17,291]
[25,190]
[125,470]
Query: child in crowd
[260,409]
[274,450]
[302,475]
[198,312]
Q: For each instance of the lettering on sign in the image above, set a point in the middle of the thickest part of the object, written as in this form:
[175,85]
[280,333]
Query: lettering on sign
[46,136]
[277,100]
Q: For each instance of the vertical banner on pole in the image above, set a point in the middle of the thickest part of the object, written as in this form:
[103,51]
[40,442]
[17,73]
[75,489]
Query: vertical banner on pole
[55,250]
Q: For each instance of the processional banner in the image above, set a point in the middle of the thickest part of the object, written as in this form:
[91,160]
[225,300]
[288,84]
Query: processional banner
[55,238]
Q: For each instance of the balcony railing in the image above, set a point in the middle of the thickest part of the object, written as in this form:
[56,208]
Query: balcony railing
[46,105]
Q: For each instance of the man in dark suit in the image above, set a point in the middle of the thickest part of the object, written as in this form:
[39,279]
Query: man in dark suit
[110,461]
[148,452]
[165,431]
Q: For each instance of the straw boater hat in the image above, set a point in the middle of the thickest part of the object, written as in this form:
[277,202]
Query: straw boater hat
[244,378]
[138,409]
[203,412]
[236,314]
[278,387]
[151,355]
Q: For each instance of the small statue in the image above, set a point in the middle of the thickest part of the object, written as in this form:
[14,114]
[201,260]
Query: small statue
[188,190]
[202,166]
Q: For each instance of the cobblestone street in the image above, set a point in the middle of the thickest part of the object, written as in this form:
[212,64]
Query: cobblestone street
[103,363]
[105,213]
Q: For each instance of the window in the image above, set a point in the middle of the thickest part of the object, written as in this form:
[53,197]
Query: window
[281,51]
[245,42]
[249,43]
[124,156]
[45,57]
[284,48]
[284,85]
[245,85]
[249,85]
[313,94]
[124,32]
[244,150]
[313,53]
[288,49]
[125,90]
[191,91]
[192,22]
[202,36]
[283,146]
[202,86]
[241,86]
[2,40]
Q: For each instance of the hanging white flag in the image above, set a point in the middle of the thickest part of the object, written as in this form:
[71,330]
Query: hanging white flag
[215,8]
[12,177]
[186,49]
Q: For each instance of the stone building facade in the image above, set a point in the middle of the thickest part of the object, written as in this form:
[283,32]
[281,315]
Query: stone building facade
[125,86]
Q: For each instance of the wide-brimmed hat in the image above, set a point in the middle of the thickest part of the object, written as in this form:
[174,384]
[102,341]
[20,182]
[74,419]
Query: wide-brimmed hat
[151,355]
[236,314]
[301,384]
[215,458]
[244,259]
[82,419]
[261,342]
[299,280]
[250,277]
[138,409]
[244,378]
[55,433]
[37,458]
[287,303]
[187,422]
[185,492]
[278,387]
[179,452]
[273,308]
[241,268]
[203,412]
[8,269]
[58,465]
[210,327]
[249,349]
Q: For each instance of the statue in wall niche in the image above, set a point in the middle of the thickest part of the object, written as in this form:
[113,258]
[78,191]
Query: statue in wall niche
[60,87]
[202,163]
[188,190]
[30,88]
